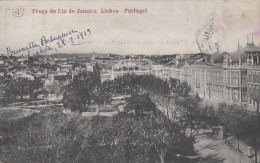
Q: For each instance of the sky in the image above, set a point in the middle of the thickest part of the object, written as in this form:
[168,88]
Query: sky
[168,27]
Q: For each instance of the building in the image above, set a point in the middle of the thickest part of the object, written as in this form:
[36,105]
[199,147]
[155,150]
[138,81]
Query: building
[253,84]
[220,77]
[128,66]
[220,84]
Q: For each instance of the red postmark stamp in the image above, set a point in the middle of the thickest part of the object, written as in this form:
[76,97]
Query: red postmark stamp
[18,11]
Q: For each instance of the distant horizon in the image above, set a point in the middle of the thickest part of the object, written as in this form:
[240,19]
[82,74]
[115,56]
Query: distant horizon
[100,54]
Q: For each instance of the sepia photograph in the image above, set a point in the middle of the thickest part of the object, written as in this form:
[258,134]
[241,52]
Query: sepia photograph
[130,81]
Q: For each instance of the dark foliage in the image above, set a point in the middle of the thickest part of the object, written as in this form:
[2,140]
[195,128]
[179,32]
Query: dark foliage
[140,105]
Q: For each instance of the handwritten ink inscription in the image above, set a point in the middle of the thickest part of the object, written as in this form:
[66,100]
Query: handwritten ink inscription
[53,42]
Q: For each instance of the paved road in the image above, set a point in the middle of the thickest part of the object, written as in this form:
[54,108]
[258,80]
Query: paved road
[228,152]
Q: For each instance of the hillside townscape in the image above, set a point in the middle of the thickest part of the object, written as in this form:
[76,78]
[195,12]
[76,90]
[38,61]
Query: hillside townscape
[108,108]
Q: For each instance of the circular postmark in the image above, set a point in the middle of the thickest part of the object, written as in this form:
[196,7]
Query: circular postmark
[18,11]
[204,36]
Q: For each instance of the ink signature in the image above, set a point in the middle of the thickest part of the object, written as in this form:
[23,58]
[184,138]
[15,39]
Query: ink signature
[50,43]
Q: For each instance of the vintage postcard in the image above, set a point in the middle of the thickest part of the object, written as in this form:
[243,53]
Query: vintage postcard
[130,81]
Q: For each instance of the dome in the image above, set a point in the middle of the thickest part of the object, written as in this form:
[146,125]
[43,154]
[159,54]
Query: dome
[217,57]
[238,54]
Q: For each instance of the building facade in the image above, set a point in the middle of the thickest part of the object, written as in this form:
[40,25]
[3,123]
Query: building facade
[139,67]
[234,80]
[220,84]
[253,85]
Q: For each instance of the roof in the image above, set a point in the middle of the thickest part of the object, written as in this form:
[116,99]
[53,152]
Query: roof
[236,55]
[217,57]
[250,47]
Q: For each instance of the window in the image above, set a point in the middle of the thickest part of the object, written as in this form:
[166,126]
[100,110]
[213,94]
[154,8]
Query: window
[235,95]
[222,92]
[257,91]
[228,78]
[218,77]
[243,94]
[244,79]
[209,76]
[218,91]
[235,79]
[249,77]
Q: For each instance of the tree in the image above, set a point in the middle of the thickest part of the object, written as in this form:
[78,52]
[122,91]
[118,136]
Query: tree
[75,99]
[56,88]
[166,104]
[255,96]
[8,90]
[225,115]
[165,136]
[87,82]
[79,92]
[238,125]
[190,115]
[96,74]
[109,87]
[117,139]
[35,88]
[253,133]
[126,84]
[140,105]
[23,87]
[49,137]
[152,84]
[100,95]
[179,89]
